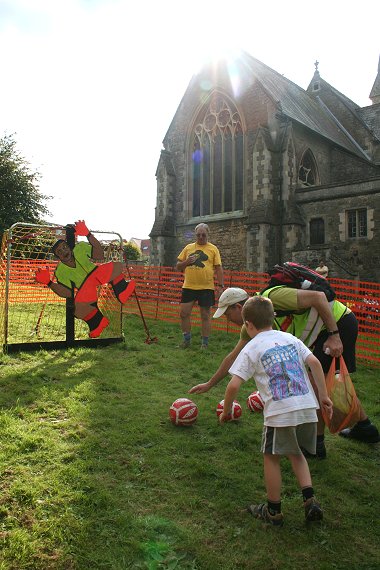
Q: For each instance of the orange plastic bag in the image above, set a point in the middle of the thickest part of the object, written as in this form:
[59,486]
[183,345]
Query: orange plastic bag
[341,391]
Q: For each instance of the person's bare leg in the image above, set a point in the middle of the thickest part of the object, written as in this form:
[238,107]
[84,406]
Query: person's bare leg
[185,314]
[272,477]
[301,470]
[205,324]
[270,513]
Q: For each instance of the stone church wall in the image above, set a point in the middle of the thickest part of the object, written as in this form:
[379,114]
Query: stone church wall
[360,255]
[274,224]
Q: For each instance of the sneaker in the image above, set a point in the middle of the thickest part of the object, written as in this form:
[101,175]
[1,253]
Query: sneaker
[204,346]
[261,512]
[321,450]
[313,511]
[185,344]
[368,434]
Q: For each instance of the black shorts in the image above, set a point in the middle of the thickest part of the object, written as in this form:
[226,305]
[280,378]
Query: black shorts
[205,297]
[348,331]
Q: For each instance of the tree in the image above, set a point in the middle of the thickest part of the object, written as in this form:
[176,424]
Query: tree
[20,197]
[131,251]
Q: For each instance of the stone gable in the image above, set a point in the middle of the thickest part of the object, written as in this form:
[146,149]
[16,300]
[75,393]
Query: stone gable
[308,162]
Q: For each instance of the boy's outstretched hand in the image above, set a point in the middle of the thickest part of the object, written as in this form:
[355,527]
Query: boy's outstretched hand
[199,388]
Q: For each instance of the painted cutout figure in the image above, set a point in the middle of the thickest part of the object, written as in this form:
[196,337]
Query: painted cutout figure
[77,270]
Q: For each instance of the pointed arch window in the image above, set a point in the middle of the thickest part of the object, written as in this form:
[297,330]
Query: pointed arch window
[308,172]
[217,159]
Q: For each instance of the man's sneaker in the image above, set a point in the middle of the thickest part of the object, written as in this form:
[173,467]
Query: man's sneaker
[368,434]
[320,452]
[185,344]
[204,346]
[261,512]
[313,511]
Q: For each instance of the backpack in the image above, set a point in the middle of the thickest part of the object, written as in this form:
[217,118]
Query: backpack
[299,277]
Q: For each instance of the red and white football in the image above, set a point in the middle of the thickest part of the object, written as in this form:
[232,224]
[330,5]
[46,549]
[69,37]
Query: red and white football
[235,412]
[255,402]
[183,412]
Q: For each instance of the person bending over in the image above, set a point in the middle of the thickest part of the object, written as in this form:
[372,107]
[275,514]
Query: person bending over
[323,326]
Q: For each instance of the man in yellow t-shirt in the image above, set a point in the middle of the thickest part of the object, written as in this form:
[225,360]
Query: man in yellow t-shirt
[199,262]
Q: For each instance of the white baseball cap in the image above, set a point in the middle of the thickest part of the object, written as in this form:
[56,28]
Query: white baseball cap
[229,297]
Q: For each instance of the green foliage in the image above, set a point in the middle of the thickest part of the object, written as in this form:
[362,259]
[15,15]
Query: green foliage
[131,251]
[20,197]
[93,474]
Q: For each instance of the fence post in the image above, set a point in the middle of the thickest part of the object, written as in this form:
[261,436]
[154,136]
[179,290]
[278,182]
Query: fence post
[158,290]
[70,322]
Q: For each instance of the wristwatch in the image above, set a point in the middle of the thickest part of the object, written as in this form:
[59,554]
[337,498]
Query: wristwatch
[331,333]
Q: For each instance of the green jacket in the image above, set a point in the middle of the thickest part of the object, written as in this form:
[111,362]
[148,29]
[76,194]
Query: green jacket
[305,324]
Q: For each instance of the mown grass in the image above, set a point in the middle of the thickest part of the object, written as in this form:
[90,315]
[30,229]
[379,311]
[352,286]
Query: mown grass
[94,476]
[45,322]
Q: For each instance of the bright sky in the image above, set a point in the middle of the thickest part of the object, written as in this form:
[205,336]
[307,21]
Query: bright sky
[89,87]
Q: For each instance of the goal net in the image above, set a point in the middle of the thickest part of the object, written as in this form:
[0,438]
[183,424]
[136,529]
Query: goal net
[33,316]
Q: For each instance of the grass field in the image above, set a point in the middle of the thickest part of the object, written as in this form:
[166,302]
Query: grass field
[94,476]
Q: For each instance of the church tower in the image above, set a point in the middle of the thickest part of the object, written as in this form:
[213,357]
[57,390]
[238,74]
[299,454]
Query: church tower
[375,91]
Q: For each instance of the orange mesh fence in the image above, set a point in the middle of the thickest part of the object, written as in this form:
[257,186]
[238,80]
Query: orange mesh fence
[159,293]
[23,286]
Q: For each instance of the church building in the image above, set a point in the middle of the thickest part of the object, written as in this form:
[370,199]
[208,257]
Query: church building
[278,173]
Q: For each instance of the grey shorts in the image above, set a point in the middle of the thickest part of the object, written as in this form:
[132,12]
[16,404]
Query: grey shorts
[289,440]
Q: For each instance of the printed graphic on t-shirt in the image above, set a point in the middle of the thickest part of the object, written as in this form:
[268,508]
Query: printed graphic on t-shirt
[201,256]
[286,375]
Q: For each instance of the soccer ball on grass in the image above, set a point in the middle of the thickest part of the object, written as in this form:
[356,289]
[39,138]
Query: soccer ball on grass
[255,402]
[236,410]
[183,412]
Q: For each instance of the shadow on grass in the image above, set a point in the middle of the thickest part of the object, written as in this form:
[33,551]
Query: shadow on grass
[74,462]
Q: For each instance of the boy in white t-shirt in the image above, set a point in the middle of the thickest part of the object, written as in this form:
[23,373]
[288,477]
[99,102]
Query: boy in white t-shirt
[277,361]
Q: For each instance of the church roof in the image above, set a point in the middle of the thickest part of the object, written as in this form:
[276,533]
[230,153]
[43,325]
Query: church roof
[371,117]
[292,101]
[375,91]
[300,106]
